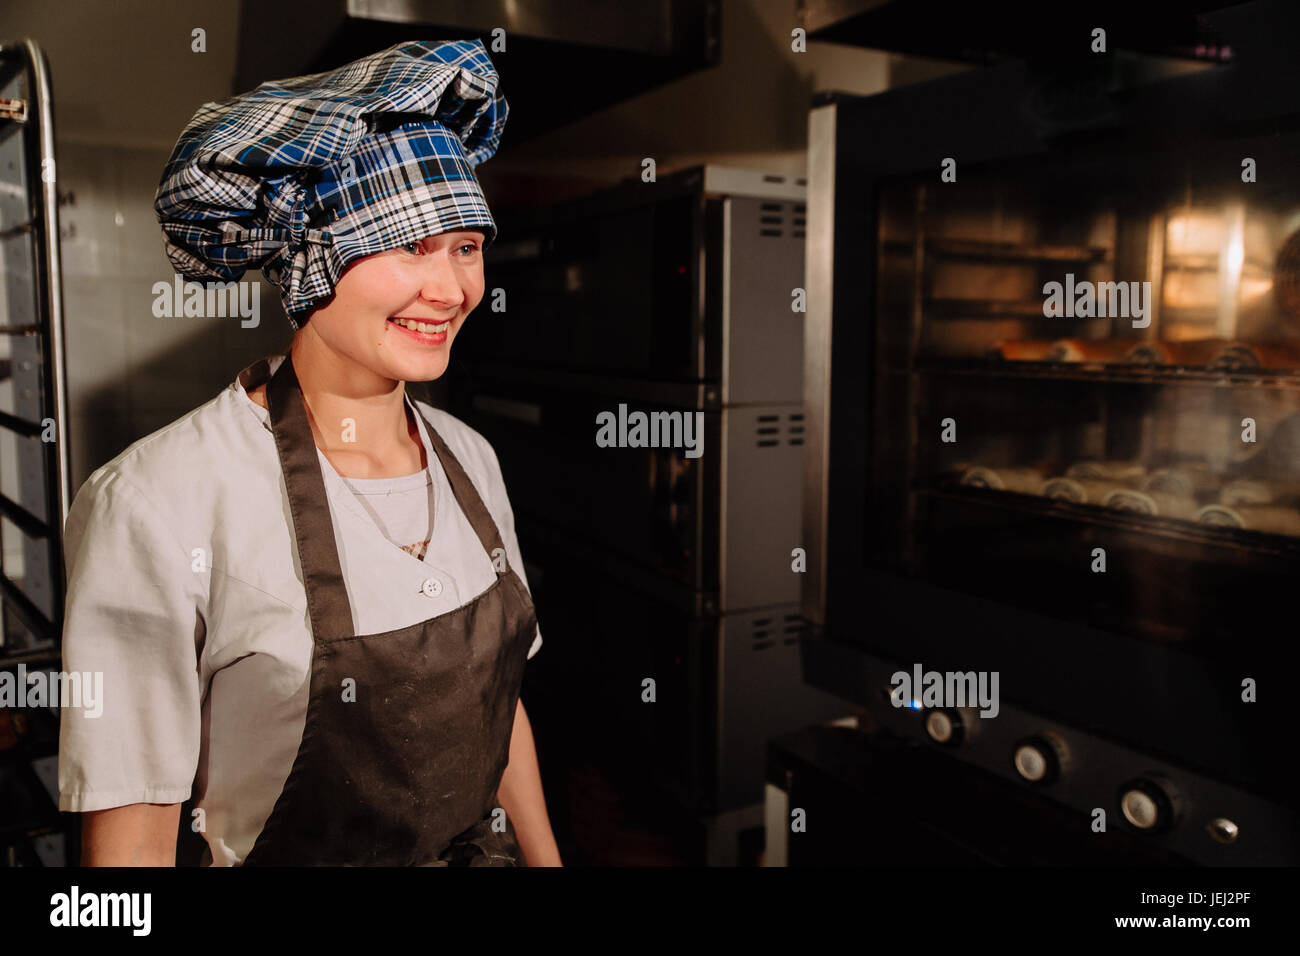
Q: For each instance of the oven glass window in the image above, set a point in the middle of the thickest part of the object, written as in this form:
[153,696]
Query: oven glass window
[1091,369]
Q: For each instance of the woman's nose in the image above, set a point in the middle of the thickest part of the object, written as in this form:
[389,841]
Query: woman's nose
[442,284]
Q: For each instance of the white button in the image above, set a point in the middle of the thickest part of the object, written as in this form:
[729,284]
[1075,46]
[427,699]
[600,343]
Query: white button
[432,587]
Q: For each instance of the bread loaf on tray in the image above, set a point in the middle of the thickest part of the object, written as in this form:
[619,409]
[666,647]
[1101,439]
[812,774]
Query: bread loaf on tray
[1122,471]
[1027,481]
[1081,491]
[1160,503]
[1188,480]
[1250,491]
[1269,519]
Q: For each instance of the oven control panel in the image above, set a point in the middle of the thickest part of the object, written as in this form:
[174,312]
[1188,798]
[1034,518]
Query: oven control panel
[1109,784]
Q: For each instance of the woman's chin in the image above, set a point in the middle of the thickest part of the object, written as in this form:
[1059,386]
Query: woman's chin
[420,368]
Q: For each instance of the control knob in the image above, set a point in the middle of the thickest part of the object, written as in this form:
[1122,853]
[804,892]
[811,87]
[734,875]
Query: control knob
[1149,804]
[1040,759]
[947,725]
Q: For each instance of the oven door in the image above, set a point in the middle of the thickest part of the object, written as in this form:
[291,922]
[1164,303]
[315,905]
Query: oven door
[1065,445]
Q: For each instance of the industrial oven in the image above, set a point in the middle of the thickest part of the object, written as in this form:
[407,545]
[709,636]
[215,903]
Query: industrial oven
[676,297]
[1053,402]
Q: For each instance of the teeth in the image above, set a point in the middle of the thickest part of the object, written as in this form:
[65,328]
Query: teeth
[430,327]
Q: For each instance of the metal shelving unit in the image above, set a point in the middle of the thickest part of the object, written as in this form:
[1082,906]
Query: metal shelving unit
[35,470]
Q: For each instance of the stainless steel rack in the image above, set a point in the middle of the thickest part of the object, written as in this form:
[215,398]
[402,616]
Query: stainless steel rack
[31,324]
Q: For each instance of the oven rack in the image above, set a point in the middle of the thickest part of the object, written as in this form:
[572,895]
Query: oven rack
[986,250]
[1250,544]
[1285,379]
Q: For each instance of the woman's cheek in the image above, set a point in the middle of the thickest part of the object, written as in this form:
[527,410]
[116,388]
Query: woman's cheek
[474,286]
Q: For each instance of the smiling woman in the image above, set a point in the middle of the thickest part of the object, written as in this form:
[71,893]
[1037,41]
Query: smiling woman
[282,536]
[391,320]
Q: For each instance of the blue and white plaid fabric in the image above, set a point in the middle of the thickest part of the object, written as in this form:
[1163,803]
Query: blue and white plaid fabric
[300,177]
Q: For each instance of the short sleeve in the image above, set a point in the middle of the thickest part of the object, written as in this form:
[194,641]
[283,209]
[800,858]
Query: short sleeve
[134,622]
[499,504]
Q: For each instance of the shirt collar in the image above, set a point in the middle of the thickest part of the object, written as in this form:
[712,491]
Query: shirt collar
[259,373]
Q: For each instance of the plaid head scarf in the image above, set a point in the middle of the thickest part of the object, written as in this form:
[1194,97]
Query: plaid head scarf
[300,177]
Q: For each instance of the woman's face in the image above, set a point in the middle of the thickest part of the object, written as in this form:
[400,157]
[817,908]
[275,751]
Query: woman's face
[436,282]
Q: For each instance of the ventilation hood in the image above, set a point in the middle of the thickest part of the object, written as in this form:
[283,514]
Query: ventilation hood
[564,59]
[1195,30]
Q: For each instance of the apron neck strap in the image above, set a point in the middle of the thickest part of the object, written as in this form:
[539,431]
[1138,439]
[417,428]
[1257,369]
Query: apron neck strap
[322,575]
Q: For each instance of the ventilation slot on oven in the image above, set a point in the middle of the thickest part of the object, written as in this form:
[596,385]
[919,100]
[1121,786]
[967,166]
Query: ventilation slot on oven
[771,430]
[795,428]
[792,629]
[771,219]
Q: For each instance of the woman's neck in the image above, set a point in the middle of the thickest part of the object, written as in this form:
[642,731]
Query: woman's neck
[358,419]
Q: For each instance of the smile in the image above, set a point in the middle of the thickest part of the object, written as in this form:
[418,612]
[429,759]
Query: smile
[429,328]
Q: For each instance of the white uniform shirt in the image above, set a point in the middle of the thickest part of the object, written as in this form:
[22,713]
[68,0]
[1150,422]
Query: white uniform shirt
[185,591]
[401,507]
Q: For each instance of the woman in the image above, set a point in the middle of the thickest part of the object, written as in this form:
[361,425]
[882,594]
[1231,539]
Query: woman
[289,631]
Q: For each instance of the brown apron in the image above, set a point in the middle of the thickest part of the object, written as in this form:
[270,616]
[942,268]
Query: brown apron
[407,773]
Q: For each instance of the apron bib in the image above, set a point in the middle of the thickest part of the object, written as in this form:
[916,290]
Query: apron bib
[405,775]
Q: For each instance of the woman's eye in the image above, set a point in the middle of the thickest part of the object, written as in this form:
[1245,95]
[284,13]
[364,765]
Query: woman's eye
[417,247]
